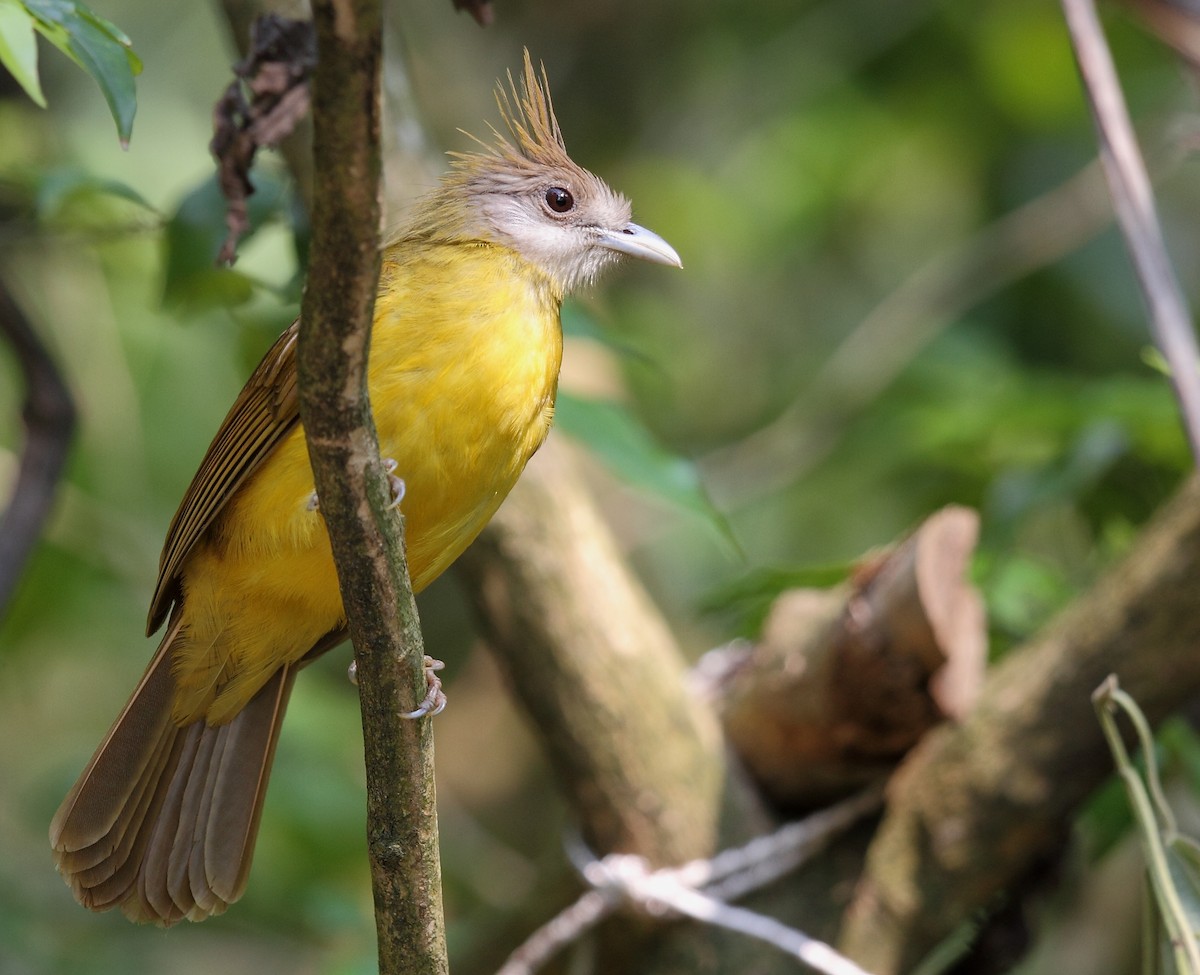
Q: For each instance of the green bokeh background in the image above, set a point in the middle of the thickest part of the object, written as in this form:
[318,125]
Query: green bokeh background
[805,159]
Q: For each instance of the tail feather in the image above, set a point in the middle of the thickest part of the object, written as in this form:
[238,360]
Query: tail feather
[120,840]
[187,883]
[152,901]
[163,820]
[84,822]
[240,786]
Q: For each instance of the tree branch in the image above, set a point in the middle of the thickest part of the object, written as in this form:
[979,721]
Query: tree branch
[597,669]
[49,417]
[976,804]
[843,682]
[594,665]
[366,535]
[1133,201]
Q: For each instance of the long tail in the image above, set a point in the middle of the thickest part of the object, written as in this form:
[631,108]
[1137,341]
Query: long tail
[162,822]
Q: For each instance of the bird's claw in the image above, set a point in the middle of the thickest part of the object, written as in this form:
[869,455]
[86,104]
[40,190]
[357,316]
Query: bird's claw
[435,698]
[395,484]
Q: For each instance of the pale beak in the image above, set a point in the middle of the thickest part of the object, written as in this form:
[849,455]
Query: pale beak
[639,242]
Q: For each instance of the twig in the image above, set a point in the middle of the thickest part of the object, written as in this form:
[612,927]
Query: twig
[1133,200]
[661,892]
[367,547]
[1155,822]
[49,417]
[700,888]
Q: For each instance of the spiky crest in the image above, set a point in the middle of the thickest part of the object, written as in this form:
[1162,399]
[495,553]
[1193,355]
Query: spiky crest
[528,113]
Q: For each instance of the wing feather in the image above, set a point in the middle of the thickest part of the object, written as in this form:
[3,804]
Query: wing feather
[264,413]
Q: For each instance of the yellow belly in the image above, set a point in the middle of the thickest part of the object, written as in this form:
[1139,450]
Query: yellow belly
[463,370]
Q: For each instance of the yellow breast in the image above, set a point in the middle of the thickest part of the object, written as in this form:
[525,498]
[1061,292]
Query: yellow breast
[464,367]
[464,362]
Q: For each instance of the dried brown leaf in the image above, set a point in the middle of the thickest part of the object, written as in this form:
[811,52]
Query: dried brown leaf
[261,106]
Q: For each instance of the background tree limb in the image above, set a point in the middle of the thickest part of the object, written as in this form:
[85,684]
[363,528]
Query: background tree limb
[842,682]
[640,756]
[49,417]
[975,804]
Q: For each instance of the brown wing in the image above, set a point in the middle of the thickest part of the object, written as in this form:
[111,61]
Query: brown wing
[264,413]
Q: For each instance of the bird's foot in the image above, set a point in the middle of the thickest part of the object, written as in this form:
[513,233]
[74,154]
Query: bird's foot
[435,700]
[395,484]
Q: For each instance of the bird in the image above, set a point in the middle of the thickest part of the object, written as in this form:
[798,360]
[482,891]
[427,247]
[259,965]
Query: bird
[463,372]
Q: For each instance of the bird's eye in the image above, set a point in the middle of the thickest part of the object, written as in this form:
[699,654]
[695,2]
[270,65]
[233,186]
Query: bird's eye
[559,200]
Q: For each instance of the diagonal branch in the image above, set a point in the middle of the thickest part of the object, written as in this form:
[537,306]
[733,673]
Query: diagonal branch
[49,417]
[1133,200]
[365,533]
[976,804]
[871,356]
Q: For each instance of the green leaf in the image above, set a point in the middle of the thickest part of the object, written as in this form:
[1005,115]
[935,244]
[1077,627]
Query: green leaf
[18,48]
[577,323]
[751,595]
[97,46]
[622,443]
[194,235]
[1183,860]
[60,186]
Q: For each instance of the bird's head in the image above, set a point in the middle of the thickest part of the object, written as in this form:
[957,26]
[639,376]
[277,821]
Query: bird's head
[529,195]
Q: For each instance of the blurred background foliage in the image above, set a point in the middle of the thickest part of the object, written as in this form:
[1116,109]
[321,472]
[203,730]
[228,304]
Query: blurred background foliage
[807,160]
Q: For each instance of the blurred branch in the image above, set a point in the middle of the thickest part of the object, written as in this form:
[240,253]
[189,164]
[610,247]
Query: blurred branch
[843,682]
[368,548]
[597,669]
[1133,200]
[49,417]
[871,356]
[976,804]
[594,665]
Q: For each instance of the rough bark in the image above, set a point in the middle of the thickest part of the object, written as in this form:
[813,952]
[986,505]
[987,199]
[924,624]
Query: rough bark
[975,805]
[843,682]
[366,535]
